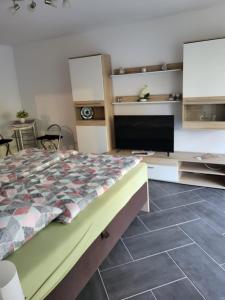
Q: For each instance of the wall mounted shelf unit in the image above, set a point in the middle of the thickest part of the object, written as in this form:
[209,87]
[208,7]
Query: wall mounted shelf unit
[91,87]
[203,85]
[174,67]
[162,98]
[146,103]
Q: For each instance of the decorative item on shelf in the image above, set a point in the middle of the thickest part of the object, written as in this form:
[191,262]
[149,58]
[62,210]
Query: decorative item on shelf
[144,69]
[178,97]
[119,99]
[164,67]
[22,115]
[144,94]
[171,97]
[87,113]
[121,71]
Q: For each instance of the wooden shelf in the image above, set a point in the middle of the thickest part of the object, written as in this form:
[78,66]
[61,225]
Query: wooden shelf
[203,180]
[88,103]
[161,98]
[90,123]
[201,168]
[174,67]
[204,124]
[149,102]
[204,100]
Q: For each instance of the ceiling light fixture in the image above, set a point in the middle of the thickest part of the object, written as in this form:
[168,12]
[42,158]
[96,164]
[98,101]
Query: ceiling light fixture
[32,5]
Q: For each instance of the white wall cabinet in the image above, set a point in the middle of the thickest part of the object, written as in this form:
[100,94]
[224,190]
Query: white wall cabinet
[87,78]
[204,69]
[92,139]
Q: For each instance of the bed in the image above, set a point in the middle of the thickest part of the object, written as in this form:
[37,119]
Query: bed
[59,261]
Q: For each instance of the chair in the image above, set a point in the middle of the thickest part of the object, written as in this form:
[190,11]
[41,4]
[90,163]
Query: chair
[5,142]
[52,137]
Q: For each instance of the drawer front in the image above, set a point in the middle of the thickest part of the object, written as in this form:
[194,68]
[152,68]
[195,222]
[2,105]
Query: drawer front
[163,173]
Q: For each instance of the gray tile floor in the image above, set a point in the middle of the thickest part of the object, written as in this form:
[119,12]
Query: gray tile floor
[176,252]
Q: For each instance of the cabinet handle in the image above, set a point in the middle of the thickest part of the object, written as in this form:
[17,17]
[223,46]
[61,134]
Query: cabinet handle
[151,167]
[104,235]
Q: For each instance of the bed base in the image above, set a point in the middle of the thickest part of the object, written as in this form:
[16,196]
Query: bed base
[71,286]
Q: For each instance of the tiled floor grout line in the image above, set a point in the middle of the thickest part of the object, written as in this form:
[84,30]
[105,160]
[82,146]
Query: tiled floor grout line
[202,249]
[128,251]
[154,230]
[103,284]
[143,224]
[151,290]
[153,295]
[195,287]
[148,256]
[183,205]
[153,202]
[185,274]
[182,192]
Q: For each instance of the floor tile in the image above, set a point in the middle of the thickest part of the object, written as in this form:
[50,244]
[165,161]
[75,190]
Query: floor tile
[162,219]
[206,275]
[94,290]
[174,188]
[117,256]
[136,227]
[155,242]
[214,196]
[207,238]
[137,277]
[182,289]
[144,296]
[177,200]
[155,191]
[210,214]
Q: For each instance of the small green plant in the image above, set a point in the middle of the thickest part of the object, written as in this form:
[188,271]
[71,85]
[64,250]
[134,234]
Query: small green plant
[22,114]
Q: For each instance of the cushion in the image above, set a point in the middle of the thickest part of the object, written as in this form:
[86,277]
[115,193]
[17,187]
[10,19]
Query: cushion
[20,221]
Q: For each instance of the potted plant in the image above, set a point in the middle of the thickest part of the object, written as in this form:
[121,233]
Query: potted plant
[22,115]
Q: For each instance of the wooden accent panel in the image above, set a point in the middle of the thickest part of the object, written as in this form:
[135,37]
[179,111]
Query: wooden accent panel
[109,110]
[204,100]
[203,125]
[88,103]
[70,287]
[153,68]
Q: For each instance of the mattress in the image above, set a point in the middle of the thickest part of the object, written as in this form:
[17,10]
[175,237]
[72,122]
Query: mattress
[45,260]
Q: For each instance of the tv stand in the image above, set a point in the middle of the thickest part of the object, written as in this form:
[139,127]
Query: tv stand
[185,167]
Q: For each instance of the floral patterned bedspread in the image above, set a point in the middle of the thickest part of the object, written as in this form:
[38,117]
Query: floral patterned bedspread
[71,183]
[26,162]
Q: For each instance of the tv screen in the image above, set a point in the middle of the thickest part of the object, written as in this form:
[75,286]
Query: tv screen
[149,133]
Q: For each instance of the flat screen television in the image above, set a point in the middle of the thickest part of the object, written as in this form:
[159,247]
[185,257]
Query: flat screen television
[148,133]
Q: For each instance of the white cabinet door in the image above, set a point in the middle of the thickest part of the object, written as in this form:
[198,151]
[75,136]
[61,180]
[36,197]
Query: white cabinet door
[163,173]
[87,78]
[92,139]
[204,69]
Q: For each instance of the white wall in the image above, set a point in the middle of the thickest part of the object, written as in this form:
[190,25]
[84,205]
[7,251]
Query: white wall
[43,71]
[9,93]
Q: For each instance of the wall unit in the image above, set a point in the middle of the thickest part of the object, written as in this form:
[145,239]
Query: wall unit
[91,87]
[185,168]
[204,85]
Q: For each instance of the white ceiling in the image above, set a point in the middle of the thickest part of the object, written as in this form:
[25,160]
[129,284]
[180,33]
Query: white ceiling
[47,22]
